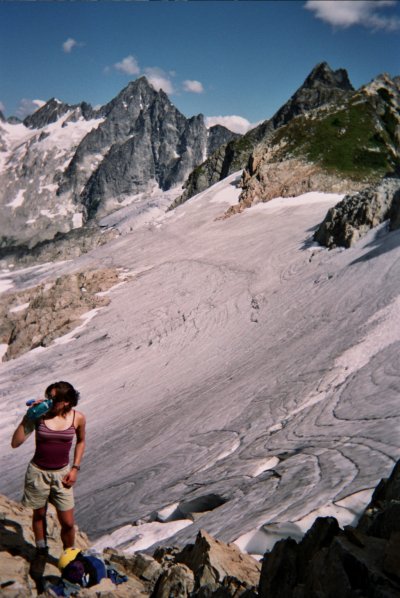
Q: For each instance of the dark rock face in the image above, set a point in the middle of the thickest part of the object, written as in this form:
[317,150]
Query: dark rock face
[47,114]
[143,140]
[356,214]
[217,136]
[330,562]
[2,119]
[321,87]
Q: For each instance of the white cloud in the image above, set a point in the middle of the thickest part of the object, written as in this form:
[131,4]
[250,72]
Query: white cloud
[159,79]
[69,44]
[346,13]
[27,107]
[128,65]
[193,86]
[234,123]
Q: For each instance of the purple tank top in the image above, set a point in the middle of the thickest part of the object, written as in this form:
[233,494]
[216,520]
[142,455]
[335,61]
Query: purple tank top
[53,446]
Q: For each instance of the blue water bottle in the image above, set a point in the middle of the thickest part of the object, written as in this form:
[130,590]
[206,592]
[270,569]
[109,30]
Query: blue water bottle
[38,410]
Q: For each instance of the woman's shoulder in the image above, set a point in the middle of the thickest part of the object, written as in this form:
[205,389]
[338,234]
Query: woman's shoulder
[79,417]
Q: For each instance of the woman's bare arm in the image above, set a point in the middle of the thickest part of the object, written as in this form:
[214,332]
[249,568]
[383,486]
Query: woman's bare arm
[22,431]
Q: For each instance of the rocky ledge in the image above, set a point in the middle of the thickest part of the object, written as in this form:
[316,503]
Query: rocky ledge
[328,562]
[35,317]
[331,562]
[356,214]
[290,178]
[64,246]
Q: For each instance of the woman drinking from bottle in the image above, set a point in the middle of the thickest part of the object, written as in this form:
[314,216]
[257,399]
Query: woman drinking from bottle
[49,477]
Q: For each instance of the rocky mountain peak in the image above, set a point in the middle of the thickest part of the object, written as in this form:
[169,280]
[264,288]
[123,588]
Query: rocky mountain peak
[49,113]
[136,95]
[323,75]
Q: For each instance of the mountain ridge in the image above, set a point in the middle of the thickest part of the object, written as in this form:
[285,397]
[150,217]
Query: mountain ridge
[322,85]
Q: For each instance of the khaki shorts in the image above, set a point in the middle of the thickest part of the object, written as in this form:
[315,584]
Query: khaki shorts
[42,486]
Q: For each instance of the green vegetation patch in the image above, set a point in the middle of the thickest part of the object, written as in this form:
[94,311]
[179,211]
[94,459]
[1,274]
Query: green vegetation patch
[349,141]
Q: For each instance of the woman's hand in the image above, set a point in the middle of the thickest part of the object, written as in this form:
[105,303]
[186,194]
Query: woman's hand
[71,477]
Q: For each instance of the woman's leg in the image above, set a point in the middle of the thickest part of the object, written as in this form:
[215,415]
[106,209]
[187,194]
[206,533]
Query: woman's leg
[67,522]
[39,525]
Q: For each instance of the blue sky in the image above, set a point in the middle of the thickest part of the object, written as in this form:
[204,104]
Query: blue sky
[236,59]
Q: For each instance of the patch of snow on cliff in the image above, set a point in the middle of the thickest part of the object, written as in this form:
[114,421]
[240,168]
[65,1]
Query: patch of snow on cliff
[77,220]
[18,200]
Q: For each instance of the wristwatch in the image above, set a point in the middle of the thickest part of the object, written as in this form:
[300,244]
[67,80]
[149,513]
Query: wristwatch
[75,466]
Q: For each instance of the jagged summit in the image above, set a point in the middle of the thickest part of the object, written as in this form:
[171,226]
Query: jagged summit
[136,95]
[322,86]
[322,74]
[55,109]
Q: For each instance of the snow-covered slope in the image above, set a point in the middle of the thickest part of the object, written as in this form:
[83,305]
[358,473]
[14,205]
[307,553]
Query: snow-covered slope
[241,372]
[30,162]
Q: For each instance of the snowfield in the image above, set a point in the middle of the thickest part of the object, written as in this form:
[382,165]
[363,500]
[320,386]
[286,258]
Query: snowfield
[243,374]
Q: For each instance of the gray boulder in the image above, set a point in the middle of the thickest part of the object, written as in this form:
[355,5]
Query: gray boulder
[216,564]
[355,215]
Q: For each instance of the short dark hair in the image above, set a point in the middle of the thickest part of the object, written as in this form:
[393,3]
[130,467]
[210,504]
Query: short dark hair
[64,392]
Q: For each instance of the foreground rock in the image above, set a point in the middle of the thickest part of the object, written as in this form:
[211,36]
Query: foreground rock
[35,317]
[328,562]
[355,215]
[19,577]
[206,568]
[214,563]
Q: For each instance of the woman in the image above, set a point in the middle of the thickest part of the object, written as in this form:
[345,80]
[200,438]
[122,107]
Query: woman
[49,478]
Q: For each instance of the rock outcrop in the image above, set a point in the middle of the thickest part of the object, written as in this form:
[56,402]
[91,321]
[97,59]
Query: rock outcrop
[35,317]
[340,146]
[355,215]
[329,561]
[64,246]
[290,178]
[215,563]
[207,568]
